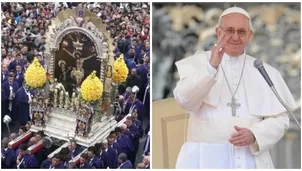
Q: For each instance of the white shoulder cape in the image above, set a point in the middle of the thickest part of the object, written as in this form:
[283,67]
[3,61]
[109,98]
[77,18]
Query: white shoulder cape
[260,98]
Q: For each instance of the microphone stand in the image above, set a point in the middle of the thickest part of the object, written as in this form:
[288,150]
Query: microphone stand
[286,107]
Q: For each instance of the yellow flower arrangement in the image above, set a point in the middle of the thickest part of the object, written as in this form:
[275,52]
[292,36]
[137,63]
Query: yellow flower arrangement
[92,88]
[120,70]
[35,75]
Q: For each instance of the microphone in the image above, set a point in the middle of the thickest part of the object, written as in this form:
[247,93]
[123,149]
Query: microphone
[259,65]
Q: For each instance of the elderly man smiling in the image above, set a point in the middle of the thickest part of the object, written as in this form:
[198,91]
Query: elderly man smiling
[234,116]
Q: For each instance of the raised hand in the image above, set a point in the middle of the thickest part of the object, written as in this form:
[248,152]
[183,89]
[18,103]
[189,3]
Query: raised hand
[218,51]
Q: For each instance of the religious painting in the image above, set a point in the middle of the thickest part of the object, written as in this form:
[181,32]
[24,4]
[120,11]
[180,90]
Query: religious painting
[82,128]
[83,120]
[38,116]
[75,60]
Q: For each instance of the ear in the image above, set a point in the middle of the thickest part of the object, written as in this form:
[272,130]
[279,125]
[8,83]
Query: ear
[218,32]
[250,35]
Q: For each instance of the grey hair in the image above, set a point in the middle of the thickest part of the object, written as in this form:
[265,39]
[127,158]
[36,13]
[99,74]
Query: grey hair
[122,157]
[104,141]
[220,21]
[128,89]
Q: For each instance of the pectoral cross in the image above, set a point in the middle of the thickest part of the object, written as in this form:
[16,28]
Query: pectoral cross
[233,106]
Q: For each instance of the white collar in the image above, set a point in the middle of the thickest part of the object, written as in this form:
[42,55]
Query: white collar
[91,160]
[228,58]
[122,164]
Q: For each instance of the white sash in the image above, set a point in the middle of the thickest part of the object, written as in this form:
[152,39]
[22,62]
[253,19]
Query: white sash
[91,160]
[18,166]
[148,140]
[121,165]
[10,97]
[29,99]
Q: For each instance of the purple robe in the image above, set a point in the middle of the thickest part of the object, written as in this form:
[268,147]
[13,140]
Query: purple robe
[19,78]
[126,144]
[104,159]
[131,64]
[142,72]
[6,88]
[117,147]
[59,166]
[28,161]
[126,96]
[75,152]
[8,159]
[139,106]
[45,164]
[118,118]
[4,76]
[4,98]
[129,134]
[134,130]
[13,64]
[95,163]
[126,165]
[85,166]
[22,106]
[112,158]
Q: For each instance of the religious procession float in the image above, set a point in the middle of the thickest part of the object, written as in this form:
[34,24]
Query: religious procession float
[74,97]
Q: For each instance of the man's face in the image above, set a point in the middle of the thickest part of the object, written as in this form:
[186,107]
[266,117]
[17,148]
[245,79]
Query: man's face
[236,27]
[18,68]
[147,44]
[110,141]
[20,132]
[38,137]
[55,161]
[31,142]
[73,146]
[42,32]
[3,68]
[24,49]
[90,154]
[82,160]
[7,15]
[18,57]
[22,153]
[128,122]
[134,43]
[3,52]
[10,79]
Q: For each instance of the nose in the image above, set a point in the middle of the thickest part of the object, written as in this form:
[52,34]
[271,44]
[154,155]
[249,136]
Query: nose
[235,36]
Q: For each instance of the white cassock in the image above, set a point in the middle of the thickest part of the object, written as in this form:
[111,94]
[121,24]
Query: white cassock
[203,91]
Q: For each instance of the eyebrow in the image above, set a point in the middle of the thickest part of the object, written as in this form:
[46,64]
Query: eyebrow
[234,28]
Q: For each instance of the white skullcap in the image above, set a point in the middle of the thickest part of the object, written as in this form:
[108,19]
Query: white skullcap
[235,10]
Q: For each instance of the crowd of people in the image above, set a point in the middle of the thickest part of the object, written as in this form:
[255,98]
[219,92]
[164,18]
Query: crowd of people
[23,38]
